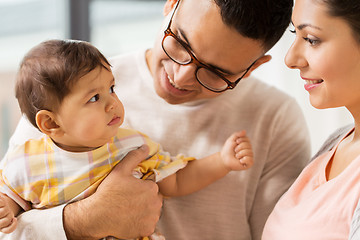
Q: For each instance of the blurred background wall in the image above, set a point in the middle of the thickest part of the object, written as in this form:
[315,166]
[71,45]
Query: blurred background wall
[118,26]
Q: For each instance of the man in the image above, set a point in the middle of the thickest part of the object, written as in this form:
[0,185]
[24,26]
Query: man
[187,93]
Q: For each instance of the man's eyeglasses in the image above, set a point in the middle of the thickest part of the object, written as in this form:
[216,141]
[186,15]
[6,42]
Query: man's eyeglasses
[206,75]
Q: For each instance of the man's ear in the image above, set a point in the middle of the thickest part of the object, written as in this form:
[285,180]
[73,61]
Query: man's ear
[46,122]
[169,5]
[258,63]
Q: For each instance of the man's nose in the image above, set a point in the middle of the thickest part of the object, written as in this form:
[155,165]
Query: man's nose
[184,75]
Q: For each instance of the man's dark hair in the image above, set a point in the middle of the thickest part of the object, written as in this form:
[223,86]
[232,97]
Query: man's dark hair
[263,20]
[49,70]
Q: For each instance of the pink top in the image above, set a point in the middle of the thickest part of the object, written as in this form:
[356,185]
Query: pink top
[315,208]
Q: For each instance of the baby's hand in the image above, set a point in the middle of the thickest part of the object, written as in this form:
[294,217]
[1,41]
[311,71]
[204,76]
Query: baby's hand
[237,153]
[8,221]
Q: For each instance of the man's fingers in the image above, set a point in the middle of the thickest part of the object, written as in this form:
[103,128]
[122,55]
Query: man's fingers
[132,159]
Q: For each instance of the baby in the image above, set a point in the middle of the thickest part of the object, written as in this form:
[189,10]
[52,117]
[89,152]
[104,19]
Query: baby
[65,89]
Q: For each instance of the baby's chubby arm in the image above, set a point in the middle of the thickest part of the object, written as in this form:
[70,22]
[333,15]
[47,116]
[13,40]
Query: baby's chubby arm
[8,210]
[236,154]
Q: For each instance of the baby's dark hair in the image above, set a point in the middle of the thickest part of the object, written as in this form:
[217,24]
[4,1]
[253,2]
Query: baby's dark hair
[262,20]
[49,70]
[349,10]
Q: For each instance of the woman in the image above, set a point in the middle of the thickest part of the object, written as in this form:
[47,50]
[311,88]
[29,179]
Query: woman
[321,202]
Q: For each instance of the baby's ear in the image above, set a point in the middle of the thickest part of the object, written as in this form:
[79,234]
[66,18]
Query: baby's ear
[46,122]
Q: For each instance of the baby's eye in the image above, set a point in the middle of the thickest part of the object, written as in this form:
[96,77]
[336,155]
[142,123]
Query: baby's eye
[112,89]
[94,98]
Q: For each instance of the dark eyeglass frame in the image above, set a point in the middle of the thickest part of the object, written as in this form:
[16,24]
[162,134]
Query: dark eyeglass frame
[169,33]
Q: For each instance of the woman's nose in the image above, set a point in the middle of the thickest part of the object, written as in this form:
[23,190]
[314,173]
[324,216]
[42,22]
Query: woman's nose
[294,58]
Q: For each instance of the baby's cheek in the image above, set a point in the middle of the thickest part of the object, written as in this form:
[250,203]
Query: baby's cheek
[89,129]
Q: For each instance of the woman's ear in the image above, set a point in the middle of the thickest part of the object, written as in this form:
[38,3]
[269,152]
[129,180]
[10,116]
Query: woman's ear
[46,122]
[258,63]
[169,5]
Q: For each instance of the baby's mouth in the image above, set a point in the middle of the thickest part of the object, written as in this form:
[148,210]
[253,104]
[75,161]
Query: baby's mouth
[115,120]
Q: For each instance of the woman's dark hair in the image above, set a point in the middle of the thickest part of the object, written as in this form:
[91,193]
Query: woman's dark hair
[48,71]
[349,10]
[263,20]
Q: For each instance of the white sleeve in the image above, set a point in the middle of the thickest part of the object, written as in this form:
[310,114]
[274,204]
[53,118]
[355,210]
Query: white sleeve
[39,225]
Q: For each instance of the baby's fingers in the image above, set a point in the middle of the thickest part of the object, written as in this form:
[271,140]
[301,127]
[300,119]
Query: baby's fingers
[245,157]
[243,146]
[247,161]
[242,139]
[8,225]
[239,134]
[244,153]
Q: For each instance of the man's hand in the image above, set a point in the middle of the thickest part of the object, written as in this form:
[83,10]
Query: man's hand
[122,206]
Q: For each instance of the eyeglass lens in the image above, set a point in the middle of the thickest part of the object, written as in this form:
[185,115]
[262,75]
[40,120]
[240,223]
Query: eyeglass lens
[176,51]
[180,55]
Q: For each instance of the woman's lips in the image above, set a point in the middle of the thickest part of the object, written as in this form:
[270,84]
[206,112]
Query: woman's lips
[311,83]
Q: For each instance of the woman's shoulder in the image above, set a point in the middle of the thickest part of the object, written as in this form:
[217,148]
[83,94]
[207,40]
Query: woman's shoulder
[333,138]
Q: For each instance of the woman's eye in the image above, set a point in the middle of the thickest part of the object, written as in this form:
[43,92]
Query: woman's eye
[312,42]
[112,89]
[94,98]
[292,31]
